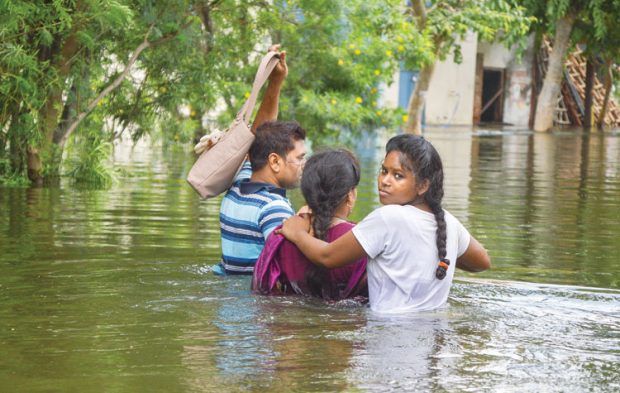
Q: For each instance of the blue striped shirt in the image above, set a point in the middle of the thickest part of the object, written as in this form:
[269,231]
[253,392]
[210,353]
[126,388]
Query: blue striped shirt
[250,211]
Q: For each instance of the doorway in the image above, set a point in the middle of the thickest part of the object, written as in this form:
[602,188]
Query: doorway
[492,102]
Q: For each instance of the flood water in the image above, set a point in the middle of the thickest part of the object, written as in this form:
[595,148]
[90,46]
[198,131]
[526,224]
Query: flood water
[112,290]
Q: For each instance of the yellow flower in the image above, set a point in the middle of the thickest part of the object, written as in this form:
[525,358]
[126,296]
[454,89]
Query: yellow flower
[399,39]
[340,62]
[193,114]
[351,46]
[333,102]
[247,94]
[401,48]
[378,113]
[405,118]
[357,52]
[373,90]
[377,72]
[162,89]
[388,53]
[359,100]
[374,103]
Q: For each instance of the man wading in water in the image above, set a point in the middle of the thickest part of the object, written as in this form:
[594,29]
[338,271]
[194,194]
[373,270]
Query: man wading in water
[256,203]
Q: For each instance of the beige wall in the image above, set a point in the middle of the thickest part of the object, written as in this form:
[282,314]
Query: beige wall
[450,99]
[518,87]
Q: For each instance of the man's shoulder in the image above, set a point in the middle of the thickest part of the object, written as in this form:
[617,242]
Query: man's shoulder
[258,197]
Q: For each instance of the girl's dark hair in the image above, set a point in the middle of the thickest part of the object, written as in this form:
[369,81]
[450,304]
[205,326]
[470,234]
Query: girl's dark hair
[327,178]
[419,156]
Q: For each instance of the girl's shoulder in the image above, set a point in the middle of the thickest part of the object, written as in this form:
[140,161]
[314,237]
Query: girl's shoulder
[402,212]
[388,215]
[450,217]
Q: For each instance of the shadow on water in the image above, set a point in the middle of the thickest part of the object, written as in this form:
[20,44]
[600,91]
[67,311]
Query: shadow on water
[112,290]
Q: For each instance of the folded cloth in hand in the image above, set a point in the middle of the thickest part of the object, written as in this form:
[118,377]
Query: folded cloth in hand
[208,141]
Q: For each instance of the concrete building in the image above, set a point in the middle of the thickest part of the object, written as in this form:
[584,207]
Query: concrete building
[490,85]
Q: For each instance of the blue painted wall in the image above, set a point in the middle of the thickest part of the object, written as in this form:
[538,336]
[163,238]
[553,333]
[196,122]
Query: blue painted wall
[406,85]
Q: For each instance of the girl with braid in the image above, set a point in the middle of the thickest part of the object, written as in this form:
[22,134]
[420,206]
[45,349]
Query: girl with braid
[413,245]
[328,185]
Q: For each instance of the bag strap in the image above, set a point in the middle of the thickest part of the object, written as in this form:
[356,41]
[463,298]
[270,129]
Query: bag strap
[267,64]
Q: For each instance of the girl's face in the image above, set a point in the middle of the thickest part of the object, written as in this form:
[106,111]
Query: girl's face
[397,184]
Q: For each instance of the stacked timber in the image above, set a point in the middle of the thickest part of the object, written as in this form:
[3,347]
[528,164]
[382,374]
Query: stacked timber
[570,109]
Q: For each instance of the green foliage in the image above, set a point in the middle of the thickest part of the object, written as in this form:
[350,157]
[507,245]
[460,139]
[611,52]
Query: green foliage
[56,57]
[596,29]
[90,165]
[492,20]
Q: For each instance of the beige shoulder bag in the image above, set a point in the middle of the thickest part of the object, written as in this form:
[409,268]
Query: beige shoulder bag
[215,169]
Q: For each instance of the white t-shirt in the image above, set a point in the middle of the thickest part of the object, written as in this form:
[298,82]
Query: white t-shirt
[401,245]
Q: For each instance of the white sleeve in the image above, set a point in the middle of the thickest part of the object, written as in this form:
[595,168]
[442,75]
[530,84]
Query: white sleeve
[371,233]
[464,238]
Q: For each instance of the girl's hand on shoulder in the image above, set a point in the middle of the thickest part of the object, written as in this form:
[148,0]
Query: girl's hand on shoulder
[294,226]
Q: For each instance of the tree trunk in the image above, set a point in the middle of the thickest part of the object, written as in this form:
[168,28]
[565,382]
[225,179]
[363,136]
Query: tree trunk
[547,100]
[204,11]
[50,113]
[608,83]
[587,116]
[418,99]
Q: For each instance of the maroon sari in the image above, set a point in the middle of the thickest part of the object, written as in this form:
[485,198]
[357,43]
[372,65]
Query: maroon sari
[281,269]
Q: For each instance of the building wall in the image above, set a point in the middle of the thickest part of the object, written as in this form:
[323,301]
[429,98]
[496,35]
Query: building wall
[450,99]
[518,83]
[390,93]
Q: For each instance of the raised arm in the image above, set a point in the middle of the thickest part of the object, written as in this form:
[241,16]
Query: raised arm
[268,109]
[475,259]
[344,250]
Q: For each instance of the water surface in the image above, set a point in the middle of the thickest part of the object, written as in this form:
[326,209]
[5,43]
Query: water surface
[112,290]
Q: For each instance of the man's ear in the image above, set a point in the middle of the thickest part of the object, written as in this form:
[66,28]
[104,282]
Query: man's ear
[275,162]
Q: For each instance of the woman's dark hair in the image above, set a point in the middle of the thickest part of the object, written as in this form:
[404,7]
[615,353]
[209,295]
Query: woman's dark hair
[274,137]
[419,156]
[327,178]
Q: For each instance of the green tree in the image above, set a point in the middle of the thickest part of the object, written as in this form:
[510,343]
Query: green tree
[94,70]
[59,61]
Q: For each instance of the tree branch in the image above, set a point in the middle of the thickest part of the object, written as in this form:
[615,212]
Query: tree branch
[419,10]
[145,44]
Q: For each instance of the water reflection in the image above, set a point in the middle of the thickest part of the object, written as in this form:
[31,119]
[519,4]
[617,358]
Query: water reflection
[405,353]
[546,208]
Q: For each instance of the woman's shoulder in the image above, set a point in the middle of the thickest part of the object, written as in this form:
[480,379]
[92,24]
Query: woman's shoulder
[338,230]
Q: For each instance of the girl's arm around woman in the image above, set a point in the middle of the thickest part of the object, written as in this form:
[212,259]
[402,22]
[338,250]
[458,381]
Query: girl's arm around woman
[344,250]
